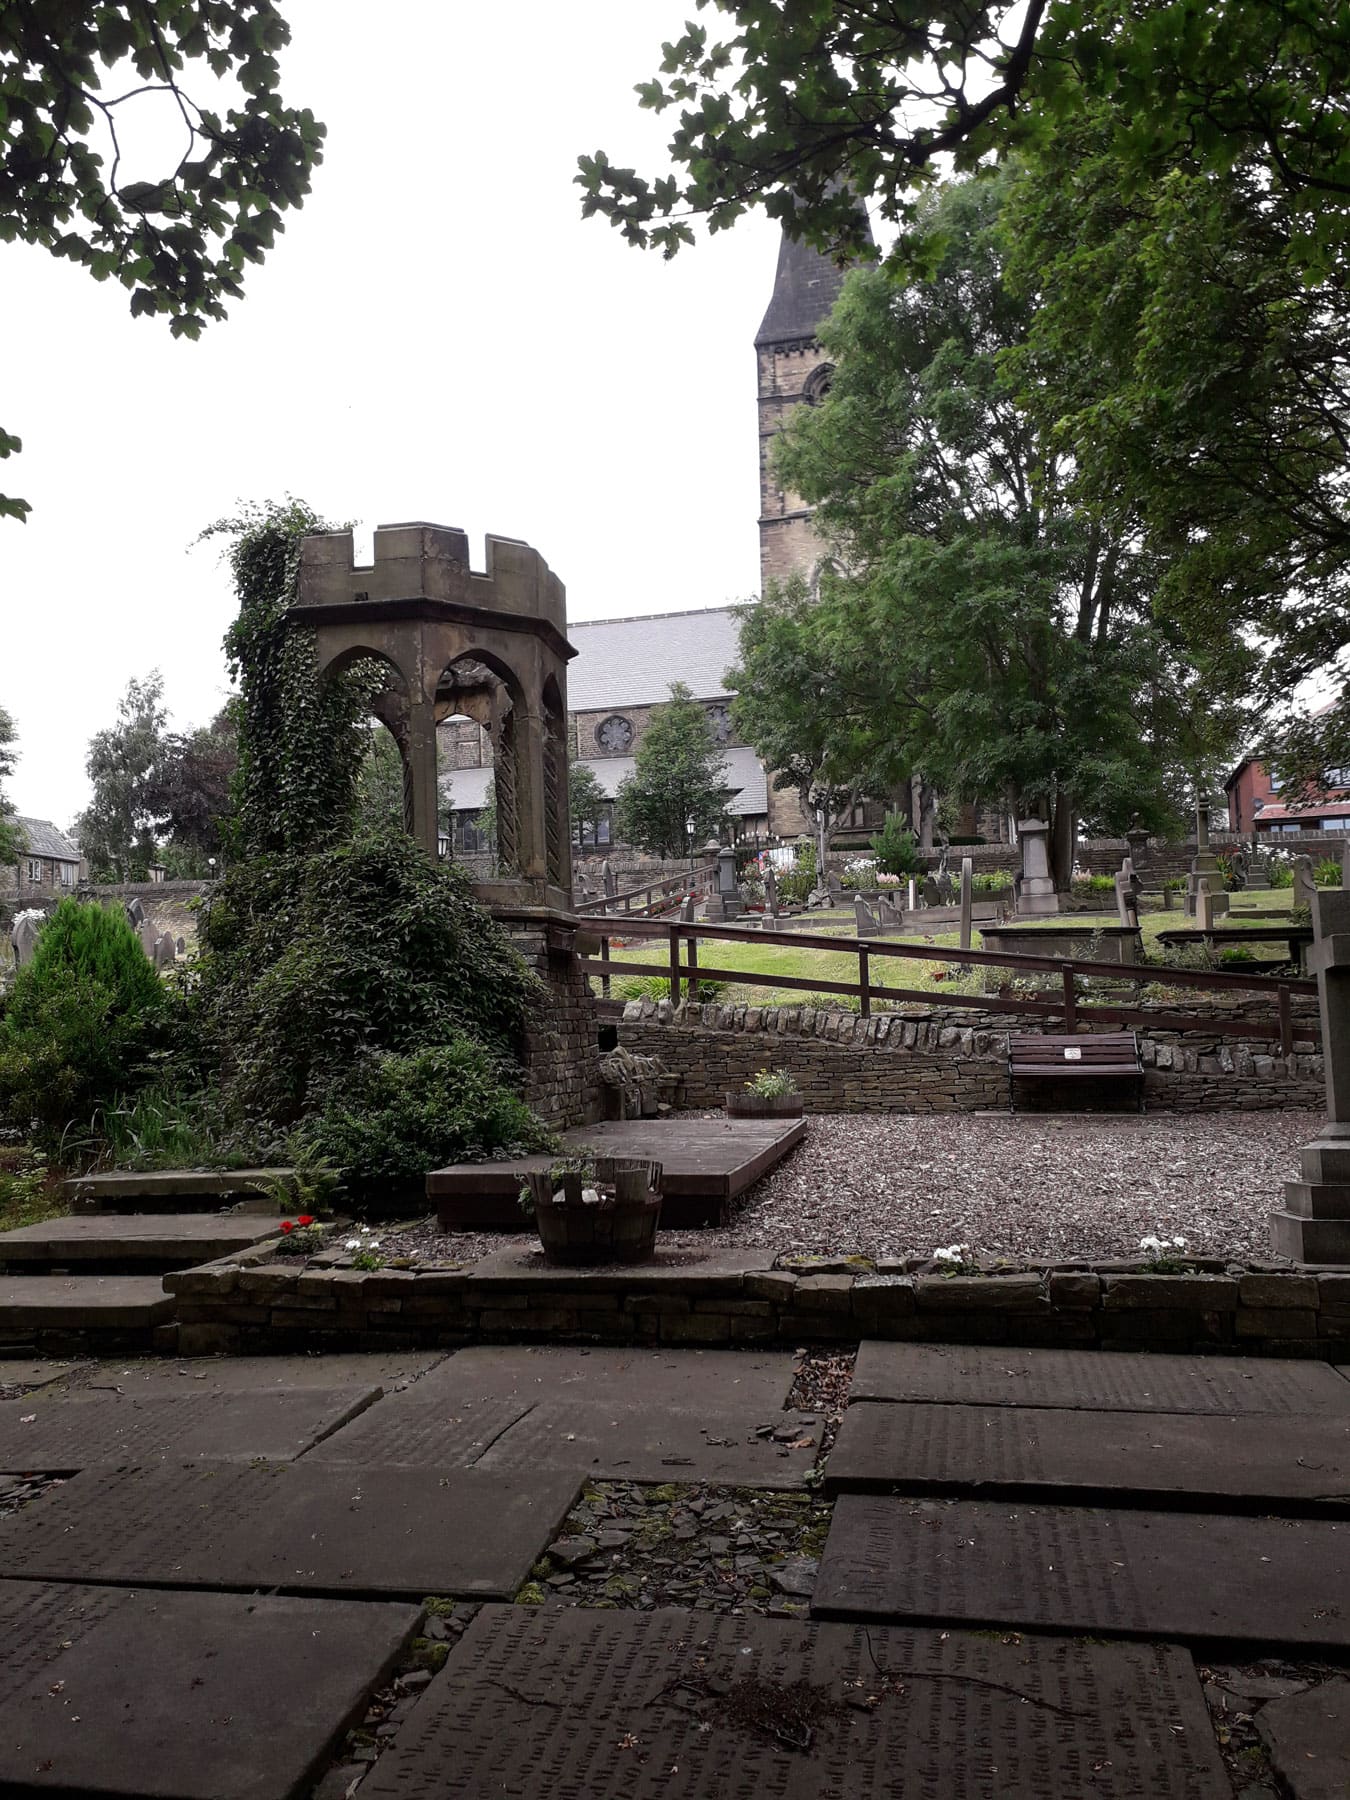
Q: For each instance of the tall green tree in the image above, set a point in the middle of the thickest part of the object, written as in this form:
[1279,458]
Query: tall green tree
[189,794]
[379,786]
[989,632]
[12,840]
[677,794]
[587,801]
[117,830]
[72,74]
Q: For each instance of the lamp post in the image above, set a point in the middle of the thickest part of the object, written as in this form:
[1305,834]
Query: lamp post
[689,824]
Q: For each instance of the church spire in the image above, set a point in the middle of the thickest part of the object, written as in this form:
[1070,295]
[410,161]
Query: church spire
[805,289]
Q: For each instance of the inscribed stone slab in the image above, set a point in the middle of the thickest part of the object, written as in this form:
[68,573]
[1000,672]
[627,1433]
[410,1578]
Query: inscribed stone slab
[39,1431]
[655,1378]
[1308,1737]
[957,1374]
[599,1705]
[181,1696]
[299,1526]
[627,1443]
[1229,1464]
[109,1238]
[1176,1575]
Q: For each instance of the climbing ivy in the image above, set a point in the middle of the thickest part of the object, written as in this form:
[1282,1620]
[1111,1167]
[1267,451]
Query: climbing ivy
[301,740]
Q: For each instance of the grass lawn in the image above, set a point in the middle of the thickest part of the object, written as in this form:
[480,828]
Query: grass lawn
[930,978]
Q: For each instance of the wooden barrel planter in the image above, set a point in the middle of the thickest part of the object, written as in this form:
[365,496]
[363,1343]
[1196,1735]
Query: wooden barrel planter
[618,1227]
[758,1106]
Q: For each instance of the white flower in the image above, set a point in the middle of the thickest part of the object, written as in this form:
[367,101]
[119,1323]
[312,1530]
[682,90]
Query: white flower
[1178,1243]
[1152,1244]
[352,1244]
[954,1253]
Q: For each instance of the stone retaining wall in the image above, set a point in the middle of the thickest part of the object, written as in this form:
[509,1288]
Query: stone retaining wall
[952,1061]
[254,1307]
[562,1049]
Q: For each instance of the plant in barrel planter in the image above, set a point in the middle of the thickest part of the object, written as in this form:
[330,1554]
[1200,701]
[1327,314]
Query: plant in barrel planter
[772,1094]
[595,1209]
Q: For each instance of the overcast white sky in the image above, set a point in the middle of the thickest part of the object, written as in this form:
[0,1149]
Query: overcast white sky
[437,335]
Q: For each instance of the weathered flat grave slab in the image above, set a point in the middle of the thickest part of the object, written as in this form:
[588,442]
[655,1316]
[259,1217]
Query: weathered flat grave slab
[744,1445]
[1194,1576]
[599,1704]
[1243,1463]
[167,1190]
[1308,1737]
[707,1162]
[168,1240]
[149,1375]
[182,1696]
[30,1303]
[759,1380]
[55,1432]
[303,1527]
[1089,1380]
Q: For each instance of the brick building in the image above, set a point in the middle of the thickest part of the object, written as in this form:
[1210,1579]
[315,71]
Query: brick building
[1257,804]
[46,869]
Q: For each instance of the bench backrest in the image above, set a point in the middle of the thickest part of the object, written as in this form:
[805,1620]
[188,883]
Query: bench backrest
[1084,1050]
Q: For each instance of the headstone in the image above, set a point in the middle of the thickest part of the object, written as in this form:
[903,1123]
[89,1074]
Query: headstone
[865,919]
[607,879]
[946,891]
[1127,895]
[1037,896]
[931,895]
[1207,864]
[165,952]
[687,910]
[770,890]
[1241,867]
[24,937]
[1314,1225]
[967,889]
[913,898]
[888,914]
[181,946]
[1204,904]
[1304,885]
[1137,839]
[135,914]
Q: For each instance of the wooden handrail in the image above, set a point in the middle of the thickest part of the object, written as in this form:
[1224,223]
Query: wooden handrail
[673,884]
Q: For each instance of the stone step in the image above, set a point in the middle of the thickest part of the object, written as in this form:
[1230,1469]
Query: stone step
[1104,1572]
[92,1312]
[171,1190]
[1298,1464]
[125,1243]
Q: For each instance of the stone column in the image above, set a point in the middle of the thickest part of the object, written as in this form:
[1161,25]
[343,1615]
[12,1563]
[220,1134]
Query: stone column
[1037,897]
[1205,863]
[420,774]
[1314,1225]
[967,874]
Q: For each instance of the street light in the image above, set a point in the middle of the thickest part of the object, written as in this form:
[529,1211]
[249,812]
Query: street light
[689,825]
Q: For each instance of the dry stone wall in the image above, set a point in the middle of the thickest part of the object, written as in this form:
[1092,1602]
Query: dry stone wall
[952,1061]
[562,1050]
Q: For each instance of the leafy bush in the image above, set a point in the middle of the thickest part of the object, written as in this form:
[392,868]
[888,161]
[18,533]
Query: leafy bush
[1281,875]
[772,1084]
[1327,873]
[311,964]
[402,1115]
[894,848]
[82,1021]
[657,987]
[1094,884]
[795,887]
[1000,881]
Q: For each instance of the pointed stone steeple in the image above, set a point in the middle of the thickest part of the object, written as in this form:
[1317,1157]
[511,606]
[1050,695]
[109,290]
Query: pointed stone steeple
[793,371]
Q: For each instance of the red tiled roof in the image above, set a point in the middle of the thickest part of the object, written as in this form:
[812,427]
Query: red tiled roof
[1273,813]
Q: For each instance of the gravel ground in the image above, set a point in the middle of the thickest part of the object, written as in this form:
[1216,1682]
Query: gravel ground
[1047,1188]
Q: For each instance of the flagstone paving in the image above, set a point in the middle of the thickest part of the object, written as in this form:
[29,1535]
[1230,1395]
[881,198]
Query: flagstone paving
[1087,1380]
[1088,1569]
[299,1527]
[1246,1461]
[181,1696]
[593,1704]
[45,1431]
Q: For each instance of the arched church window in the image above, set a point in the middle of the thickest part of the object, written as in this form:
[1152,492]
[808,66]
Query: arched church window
[615,734]
[817,383]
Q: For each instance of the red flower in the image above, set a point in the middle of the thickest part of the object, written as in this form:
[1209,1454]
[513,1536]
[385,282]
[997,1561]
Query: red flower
[305,1219]
[288,1225]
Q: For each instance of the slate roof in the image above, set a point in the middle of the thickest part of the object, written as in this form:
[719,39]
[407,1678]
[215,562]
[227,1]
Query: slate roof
[468,787]
[632,662]
[805,289]
[45,840]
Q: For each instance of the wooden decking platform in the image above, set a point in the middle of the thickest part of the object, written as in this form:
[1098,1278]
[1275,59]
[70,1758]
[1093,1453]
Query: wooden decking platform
[707,1162]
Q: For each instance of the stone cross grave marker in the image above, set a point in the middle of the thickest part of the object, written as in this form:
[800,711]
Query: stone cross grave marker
[967,887]
[1314,1224]
[1205,863]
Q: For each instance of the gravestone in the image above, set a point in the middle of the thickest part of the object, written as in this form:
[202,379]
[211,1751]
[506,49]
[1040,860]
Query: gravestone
[165,952]
[967,886]
[1037,896]
[1204,904]
[1304,885]
[181,946]
[1241,867]
[607,879]
[1205,863]
[864,918]
[889,916]
[770,890]
[135,914]
[1137,839]
[687,910]
[1127,895]
[913,898]
[24,937]
[946,891]
[1314,1224]
[931,895]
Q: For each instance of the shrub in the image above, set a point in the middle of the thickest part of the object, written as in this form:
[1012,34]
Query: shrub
[772,1084]
[81,1023]
[657,987]
[402,1115]
[1000,881]
[894,848]
[1094,884]
[1327,873]
[1281,875]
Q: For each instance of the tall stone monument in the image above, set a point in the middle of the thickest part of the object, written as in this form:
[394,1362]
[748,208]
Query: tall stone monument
[1037,897]
[1314,1224]
[967,886]
[1205,863]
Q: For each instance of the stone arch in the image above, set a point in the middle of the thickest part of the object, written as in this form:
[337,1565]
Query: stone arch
[391,705]
[818,383]
[479,684]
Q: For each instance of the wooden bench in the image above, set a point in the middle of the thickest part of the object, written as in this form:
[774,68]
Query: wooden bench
[1093,1056]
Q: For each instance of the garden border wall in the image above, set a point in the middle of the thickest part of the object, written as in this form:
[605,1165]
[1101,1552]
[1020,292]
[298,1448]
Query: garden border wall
[952,1060]
[247,1305]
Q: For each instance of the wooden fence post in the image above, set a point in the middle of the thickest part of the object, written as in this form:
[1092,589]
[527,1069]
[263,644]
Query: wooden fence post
[1070,999]
[604,979]
[692,968]
[674,965]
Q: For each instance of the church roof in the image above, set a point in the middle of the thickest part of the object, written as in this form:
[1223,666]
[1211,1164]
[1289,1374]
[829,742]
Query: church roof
[632,662]
[804,292]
